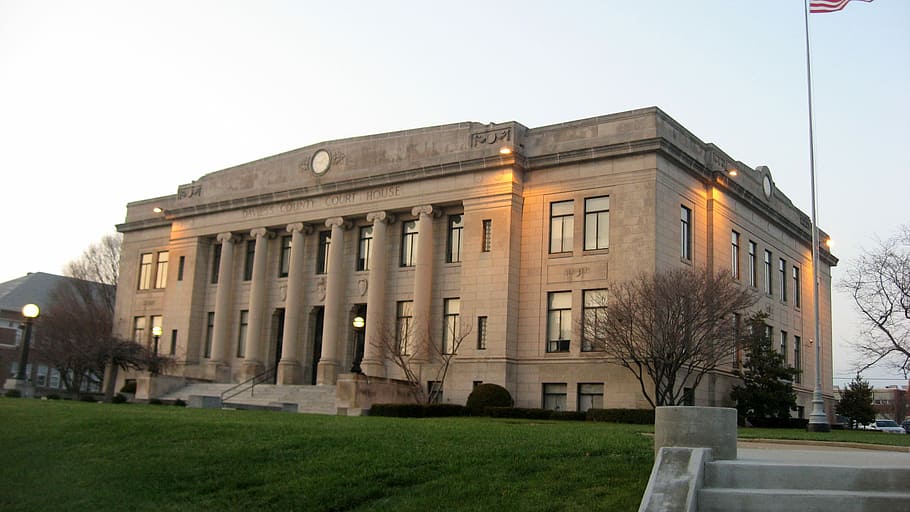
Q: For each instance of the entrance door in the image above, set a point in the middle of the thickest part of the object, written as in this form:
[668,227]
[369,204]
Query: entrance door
[317,342]
[279,340]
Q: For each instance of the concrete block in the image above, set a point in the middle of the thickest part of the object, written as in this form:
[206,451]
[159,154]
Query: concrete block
[697,427]
[675,481]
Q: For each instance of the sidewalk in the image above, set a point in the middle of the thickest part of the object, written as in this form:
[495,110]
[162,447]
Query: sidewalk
[836,454]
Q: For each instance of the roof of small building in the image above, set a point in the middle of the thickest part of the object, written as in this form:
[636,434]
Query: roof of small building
[32,288]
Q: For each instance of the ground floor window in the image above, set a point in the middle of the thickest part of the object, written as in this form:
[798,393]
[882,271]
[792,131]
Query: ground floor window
[434,391]
[590,396]
[554,396]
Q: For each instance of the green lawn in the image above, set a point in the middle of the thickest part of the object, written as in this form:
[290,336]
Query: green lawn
[849,436]
[82,456]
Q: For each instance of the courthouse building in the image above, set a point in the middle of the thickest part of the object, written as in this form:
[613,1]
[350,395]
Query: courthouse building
[504,235]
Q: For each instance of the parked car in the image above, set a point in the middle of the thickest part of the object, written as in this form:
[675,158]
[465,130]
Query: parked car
[889,426]
[906,425]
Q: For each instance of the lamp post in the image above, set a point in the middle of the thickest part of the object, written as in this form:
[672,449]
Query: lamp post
[358,325]
[30,312]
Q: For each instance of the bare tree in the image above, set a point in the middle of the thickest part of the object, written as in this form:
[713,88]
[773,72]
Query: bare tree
[669,329]
[422,360]
[879,282]
[75,334]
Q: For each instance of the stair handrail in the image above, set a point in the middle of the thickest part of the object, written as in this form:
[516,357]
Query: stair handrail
[250,384]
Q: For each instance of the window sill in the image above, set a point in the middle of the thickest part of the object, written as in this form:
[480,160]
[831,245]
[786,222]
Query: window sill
[557,255]
[592,252]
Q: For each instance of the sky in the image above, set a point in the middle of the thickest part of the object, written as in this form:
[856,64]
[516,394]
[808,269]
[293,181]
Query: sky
[107,102]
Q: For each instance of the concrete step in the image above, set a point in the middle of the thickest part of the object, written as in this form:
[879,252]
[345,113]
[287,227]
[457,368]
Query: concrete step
[797,500]
[308,399]
[739,474]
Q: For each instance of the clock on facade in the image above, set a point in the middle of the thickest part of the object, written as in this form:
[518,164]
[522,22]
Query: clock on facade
[766,186]
[321,161]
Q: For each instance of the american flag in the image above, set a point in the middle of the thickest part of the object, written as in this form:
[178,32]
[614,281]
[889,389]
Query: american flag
[819,6]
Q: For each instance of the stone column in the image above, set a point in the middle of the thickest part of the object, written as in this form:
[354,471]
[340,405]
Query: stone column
[252,364]
[327,370]
[373,364]
[289,366]
[219,366]
[423,279]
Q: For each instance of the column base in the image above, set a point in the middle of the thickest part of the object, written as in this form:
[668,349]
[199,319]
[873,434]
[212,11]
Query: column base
[250,369]
[373,368]
[326,373]
[289,373]
[25,389]
[218,372]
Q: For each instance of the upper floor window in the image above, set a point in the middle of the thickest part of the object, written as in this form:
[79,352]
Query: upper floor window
[597,223]
[453,245]
[451,329]
[322,258]
[181,264]
[139,330]
[783,345]
[685,233]
[767,274]
[284,260]
[734,254]
[796,287]
[403,328]
[216,263]
[782,274]
[145,271]
[487,243]
[409,243]
[753,265]
[248,261]
[594,315]
[481,333]
[559,321]
[161,270]
[797,358]
[562,226]
[365,248]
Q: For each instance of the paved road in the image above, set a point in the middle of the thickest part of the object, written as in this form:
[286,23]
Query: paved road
[850,455]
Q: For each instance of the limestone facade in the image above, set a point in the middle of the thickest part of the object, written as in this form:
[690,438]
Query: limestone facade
[490,226]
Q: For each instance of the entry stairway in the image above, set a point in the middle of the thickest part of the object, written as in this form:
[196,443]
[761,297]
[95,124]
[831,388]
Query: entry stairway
[743,485]
[306,399]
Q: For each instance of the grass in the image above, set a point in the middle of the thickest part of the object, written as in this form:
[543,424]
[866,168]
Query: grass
[81,456]
[848,436]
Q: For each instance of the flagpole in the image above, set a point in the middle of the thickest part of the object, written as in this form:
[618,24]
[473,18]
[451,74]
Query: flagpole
[818,420]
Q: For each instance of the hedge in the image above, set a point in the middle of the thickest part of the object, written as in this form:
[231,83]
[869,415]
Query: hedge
[633,416]
[418,410]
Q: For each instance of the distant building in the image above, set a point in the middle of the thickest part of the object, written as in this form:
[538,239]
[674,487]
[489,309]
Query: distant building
[512,231]
[33,288]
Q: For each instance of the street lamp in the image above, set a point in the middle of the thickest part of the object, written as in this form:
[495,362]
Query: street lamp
[156,333]
[30,312]
[358,323]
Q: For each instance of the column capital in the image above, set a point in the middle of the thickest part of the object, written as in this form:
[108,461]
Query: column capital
[332,222]
[226,237]
[428,209]
[258,232]
[376,217]
[304,229]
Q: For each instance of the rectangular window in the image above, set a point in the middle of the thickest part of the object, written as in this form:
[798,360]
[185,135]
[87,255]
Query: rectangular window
[408,243]
[322,259]
[753,267]
[594,314]
[734,255]
[173,349]
[562,226]
[783,345]
[156,322]
[769,334]
[241,333]
[782,274]
[139,330]
[365,248]
[404,317]
[597,223]
[554,396]
[248,260]
[145,271]
[481,333]
[559,321]
[216,263]
[487,242]
[284,260]
[685,233]
[590,396]
[767,274]
[797,296]
[181,264]
[434,391]
[737,349]
[161,270]
[209,333]
[41,379]
[688,397]
[798,358]
[451,329]
[55,379]
[453,245]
